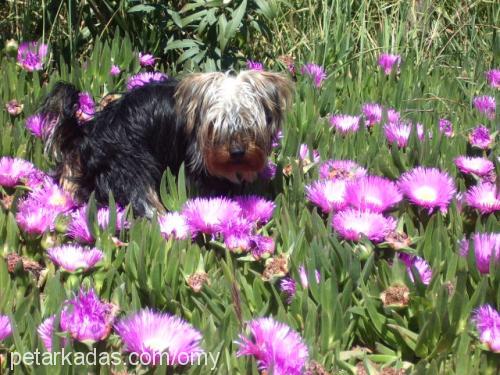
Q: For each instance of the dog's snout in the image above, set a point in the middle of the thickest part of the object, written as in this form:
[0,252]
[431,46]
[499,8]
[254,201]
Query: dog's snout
[237,152]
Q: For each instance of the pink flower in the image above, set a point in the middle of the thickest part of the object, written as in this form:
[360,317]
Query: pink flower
[487,321]
[423,268]
[207,215]
[86,107]
[316,72]
[446,127]
[254,65]
[14,108]
[277,348]
[261,245]
[486,104]
[5,327]
[32,55]
[304,154]
[372,113]
[146,59]
[351,224]
[36,125]
[237,234]
[74,257]
[373,193]
[174,224]
[387,61]
[486,248]
[484,197]
[78,227]
[428,187]
[35,219]
[480,137]
[493,77]
[345,123]
[115,70]
[255,209]
[477,165]
[142,79]
[399,133]
[341,169]
[329,195]
[393,116]
[13,170]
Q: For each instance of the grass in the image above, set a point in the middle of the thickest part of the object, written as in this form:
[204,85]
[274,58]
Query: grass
[445,48]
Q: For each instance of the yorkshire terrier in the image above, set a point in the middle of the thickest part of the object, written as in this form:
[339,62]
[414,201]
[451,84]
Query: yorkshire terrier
[220,125]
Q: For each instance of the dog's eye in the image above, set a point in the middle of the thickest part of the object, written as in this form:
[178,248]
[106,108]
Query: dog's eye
[269,118]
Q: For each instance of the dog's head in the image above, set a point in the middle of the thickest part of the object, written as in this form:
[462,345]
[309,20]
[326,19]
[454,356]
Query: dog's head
[232,119]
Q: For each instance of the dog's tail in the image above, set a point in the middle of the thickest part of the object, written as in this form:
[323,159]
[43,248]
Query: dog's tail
[60,128]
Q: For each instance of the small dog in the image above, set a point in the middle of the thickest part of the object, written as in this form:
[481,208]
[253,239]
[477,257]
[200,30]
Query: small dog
[220,125]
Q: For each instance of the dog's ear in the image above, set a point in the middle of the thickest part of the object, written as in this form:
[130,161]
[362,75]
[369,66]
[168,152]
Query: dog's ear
[275,91]
[192,96]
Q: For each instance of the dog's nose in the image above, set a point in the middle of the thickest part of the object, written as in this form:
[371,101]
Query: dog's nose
[237,152]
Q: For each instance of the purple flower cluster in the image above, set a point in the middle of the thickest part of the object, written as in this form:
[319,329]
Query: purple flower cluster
[86,107]
[345,124]
[5,327]
[255,65]
[14,171]
[480,137]
[423,268]
[493,77]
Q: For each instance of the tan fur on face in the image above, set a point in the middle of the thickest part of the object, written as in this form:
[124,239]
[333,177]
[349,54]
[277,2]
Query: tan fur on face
[219,107]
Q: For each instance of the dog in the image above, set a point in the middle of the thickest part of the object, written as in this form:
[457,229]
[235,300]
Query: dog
[220,125]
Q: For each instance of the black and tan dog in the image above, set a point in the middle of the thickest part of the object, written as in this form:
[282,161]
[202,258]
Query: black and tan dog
[219,124]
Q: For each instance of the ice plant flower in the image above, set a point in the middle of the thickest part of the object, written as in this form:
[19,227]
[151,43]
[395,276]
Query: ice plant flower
[31,55]
[485,104]
[74,257]
[303,277]
[393,116]
[46,332]
[428,187]
[115,70]
[423,268]
[372,113]
[345,123]
[51,196]
[493,77]
[146,59]
[341,169]
[304,154]
[329,195]
[255,65]
[315,72]
[206,215]
[446,127]
[237,234]
[386,61]
[255,209]
[487,321]
[142,79]
[261,245]
[278,349]
[151,335]
[477,165]
[14,108]
[86,318]
[174,224]
[35,219]
[269,171]
[288,286]
[5,327]
[373,193]
[276,141]
[486,246]
[13,170]
[399,133]
[86,107]
[79,230]
[36,125]
[480,137]
[484,197]
[351,224]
